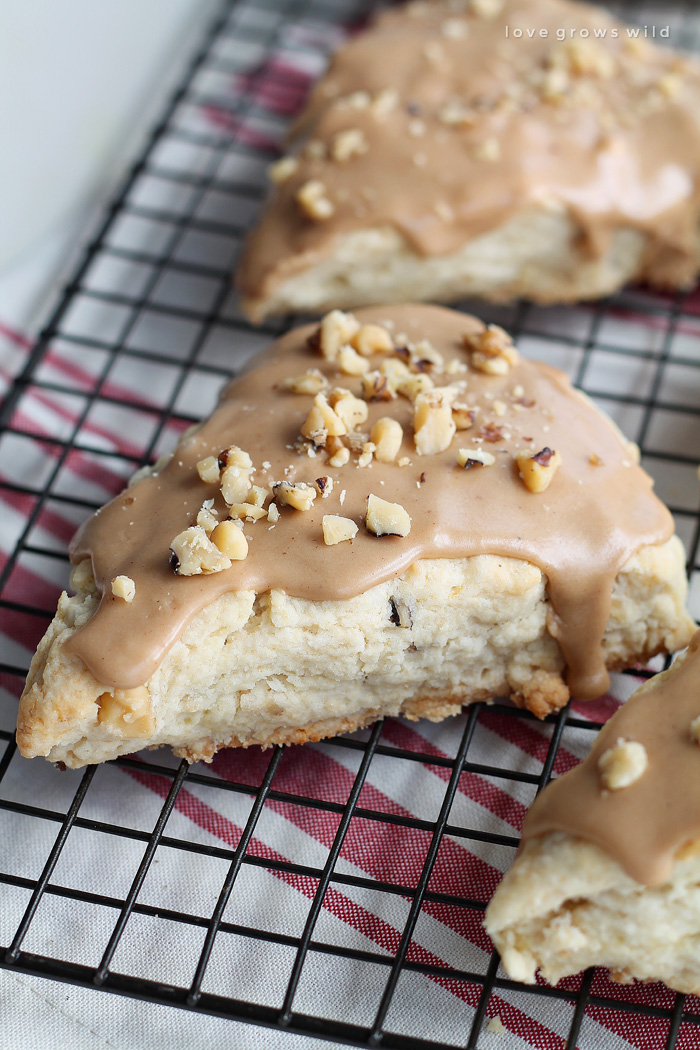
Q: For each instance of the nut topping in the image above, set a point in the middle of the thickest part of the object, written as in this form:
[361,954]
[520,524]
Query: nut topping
[236,469]
[387,437]
[372,339]
[298,495]
[351,363]
[386,519]
[474,457]
[349,143]
[463,415]
[375,387]
[413,386]
[324,486]
[336,329]
[622,764]
[350,409]
[124,587]
[322,422]
[433,426]
[282,169]
[310,382]
[538,470]
[207,517]
[228,537]
[337,529]
[193,553]
[314,203]
[208,470]
[492,350]
[339,458]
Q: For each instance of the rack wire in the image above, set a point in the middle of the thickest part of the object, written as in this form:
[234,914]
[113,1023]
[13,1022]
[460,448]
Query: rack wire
[153,292]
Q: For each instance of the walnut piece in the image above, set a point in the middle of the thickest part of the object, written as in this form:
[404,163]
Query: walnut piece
[492,350]
[310,382]
[208,470]
[463,415]
[124,587]
[472,457]
[351,410]
[695,730]
[207,517]
[228,537]
[622,764]
[324,486]
[339,458]
[336,529]
[127,712]
[193,553]
[336,329]
[236,468]
[312,199]
[351,363]
[433,426]
[538,470]
[349,143]
[365,457]
[386,519]
[322,422]
[387,436]
[246,512]
[282,169]
[298,494]
[273,514]
[413,386]
[372,339]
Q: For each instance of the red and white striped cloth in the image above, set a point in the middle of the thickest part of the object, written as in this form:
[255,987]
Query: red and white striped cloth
[266,895]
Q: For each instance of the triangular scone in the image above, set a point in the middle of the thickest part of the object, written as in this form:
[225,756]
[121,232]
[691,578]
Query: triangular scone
[493,148]
[610,868]
[388,513]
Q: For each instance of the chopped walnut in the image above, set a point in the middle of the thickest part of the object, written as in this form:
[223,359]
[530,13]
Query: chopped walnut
[339,458]
[492,433]
[433,426]
[128,712]
[324,486]
[124,587]
[322,422]
[273,514]
[228,537]
[384,102]
[336,330]
[258,495]
[415,385]
[387,436]
[463,416]
[337,529]
[207,517]
[622,764]
[492,350]
[425,355]
[312,199]
[298,495]
[372,339]
[315,150]
[472,457]
[349,143]
[208,470]
[386,519]
[246,511]
[366,454]
[350,409]
[375,387]
[192,553]
[350,362]
[538,470]
[585,57]
[283,169]
[310,382]
[236,469]
[395,372]
[595,460]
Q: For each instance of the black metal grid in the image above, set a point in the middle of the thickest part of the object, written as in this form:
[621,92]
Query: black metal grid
[154,287]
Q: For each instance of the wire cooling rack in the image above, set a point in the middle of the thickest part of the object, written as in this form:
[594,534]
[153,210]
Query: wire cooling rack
[142,338]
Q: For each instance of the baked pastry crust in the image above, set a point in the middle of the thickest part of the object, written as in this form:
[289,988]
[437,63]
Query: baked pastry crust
[305,670]
[442,156]
[523,572]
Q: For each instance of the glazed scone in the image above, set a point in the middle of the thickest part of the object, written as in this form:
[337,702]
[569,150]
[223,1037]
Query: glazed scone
[389,513]
[446,153]
[610,868]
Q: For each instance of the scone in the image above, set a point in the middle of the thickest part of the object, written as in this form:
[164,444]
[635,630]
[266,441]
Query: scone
[610,868]
[387,513]
[493,148]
